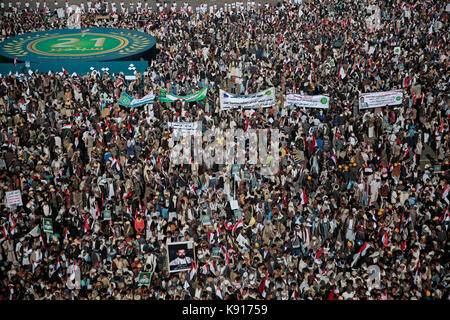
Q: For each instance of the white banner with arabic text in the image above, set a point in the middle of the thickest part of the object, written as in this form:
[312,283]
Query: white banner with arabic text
[263,99]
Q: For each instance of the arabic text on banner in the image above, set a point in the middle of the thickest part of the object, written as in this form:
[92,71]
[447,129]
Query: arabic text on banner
[380,99]
[263,99]
[319,101]
[165,96]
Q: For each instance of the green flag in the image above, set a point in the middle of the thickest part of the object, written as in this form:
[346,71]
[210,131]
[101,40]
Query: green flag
[165,96]
[35,232]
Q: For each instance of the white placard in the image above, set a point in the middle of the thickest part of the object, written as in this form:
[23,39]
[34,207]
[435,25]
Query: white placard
[263,99]
[13,198]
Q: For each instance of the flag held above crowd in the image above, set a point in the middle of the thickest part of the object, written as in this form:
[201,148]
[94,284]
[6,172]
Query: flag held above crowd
[165,96]
[127,101]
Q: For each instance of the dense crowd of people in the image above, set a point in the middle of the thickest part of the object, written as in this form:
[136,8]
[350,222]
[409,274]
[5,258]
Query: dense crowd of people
[375,223]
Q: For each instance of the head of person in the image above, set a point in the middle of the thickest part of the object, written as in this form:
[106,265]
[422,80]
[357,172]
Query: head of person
[181,253]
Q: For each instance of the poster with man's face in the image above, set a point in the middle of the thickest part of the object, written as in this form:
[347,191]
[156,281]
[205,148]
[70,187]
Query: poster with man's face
[48,225]
[180,255]
[363,104]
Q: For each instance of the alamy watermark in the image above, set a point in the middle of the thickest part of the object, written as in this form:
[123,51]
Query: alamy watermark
[259,147]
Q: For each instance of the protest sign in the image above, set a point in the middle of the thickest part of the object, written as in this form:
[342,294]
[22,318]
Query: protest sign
[380,99]
[107,215]
[212,183]
[206,219]
[165,96]
[130,77]
[144,278]
[234,204]
[60,12]
[172,216]
[301,101]
[13,198]
[388,128]
[215,252]
[437,168]
[35,232]
[180,256]
[263,99]
[183,127]
[47,225]
[237,214]
[242,241]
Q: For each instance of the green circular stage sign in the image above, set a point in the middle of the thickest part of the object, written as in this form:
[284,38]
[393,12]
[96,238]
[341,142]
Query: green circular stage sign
[92,44]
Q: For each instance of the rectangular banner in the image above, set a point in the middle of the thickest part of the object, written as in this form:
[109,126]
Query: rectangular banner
[13,198]
[263,99]
[107,215]
[127,101]
[180,256]
[237,214]
[48,225]
[380,99]
[165,96]
[319,101]
[183,127]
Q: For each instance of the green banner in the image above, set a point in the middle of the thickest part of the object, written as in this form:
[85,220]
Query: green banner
[165,96]
[48,225]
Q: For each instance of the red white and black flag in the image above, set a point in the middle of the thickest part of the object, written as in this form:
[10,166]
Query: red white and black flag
[262,287]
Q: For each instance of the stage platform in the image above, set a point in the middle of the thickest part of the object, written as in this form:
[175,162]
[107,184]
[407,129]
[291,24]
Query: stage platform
[63,46]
